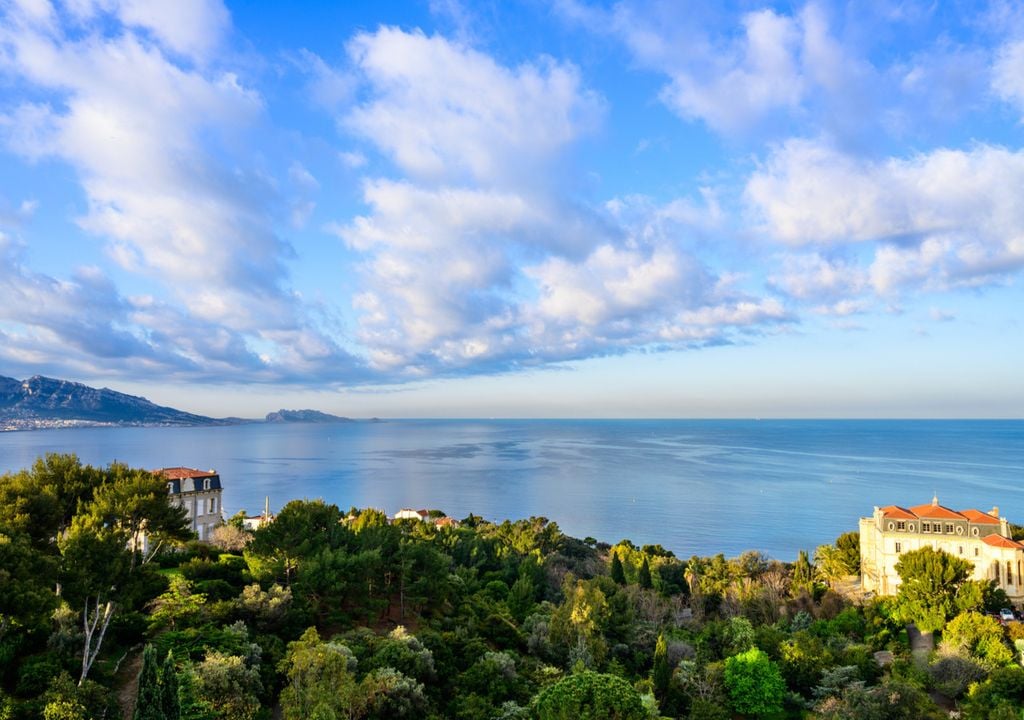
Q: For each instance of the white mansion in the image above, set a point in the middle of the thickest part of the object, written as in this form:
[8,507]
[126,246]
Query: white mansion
[199,492]
[978,537]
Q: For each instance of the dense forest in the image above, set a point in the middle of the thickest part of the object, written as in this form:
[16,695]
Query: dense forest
[326,613]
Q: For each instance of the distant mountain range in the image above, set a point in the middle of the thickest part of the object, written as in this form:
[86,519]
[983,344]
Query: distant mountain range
[42,402]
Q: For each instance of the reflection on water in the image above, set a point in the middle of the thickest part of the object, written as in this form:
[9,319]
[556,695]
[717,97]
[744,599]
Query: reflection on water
[694,486]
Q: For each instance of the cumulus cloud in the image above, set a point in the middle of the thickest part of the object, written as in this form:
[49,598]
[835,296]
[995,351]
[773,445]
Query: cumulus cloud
[127,94]
[813,69]
[330,88]
[190,28]
[444,112]
[733,72]
[942,219]
[14,214]
[1008,74]
[813,276]
[84,325]
[82,319]
[756,75]
[477,259]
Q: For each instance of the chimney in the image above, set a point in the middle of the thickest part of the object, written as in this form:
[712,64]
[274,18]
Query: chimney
[994,512]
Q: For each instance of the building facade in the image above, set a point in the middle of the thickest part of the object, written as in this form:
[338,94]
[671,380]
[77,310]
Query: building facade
[410,514]
[199,492]
[981,538]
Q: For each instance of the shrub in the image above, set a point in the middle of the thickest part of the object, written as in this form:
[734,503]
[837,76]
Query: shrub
[754,683]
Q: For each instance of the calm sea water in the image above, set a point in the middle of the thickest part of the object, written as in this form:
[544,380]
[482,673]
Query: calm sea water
[695,486]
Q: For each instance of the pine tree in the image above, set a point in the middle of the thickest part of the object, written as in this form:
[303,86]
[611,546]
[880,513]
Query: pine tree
[169,701]
[644,578]
[618,574]
[147,702]
[662,673]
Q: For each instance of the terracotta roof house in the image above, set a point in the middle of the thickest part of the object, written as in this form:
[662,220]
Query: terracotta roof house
[981,538]
[409,514]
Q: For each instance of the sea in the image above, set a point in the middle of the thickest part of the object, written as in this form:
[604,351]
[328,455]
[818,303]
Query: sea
[696,487]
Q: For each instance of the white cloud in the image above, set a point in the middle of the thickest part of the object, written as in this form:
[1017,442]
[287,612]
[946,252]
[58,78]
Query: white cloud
[1008,74]
[814,69]
[12,215]
[476,260]
[812,276]
[192,28]
[743,313]
[329,88]
[444,112]
[131,106]
[844,308]
[612,284]
[941,219]
[742,83]
[352,159]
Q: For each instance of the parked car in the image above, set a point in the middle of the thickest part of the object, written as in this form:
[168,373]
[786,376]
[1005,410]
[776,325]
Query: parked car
[1006,615]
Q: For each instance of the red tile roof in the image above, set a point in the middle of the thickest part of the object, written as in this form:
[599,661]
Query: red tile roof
[895,511]
[180,473]
[938,512]
[1003,542]
[977,516]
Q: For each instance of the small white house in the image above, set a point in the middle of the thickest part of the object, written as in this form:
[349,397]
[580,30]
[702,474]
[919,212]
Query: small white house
[409,514]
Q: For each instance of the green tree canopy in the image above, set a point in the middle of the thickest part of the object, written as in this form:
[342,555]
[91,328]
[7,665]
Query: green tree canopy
[643,578]
[929,580]
[320,681]
[148,705]
[978,635]
[848,545]
[617,573]
[754,683]
[589,696]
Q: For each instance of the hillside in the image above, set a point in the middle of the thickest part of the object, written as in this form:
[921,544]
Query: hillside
[42,402]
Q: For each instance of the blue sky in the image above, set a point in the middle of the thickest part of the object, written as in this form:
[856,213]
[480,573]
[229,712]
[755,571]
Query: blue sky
[567,208]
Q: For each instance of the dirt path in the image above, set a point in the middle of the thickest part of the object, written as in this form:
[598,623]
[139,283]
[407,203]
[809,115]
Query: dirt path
[128,682]
[921,644]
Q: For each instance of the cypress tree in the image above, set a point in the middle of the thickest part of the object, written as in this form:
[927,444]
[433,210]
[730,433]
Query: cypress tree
[618,574]
[662,673]
[644,578]
[169,701]
[147,701]
[803,573]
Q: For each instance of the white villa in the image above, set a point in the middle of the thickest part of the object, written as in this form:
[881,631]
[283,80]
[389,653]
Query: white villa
[199,492]
[978,537]
[410,514]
